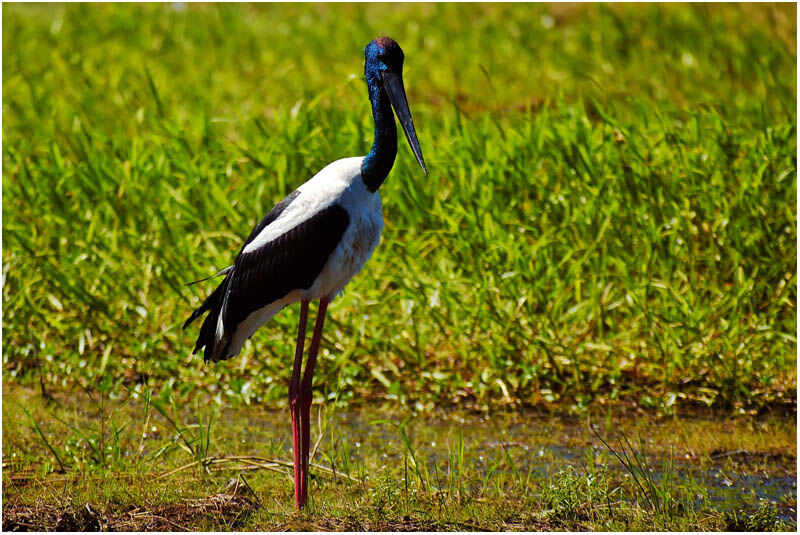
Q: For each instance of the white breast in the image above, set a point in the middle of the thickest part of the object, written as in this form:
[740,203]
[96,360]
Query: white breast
[363,231]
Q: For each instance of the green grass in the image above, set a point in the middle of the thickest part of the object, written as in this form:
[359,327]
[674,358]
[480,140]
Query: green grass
[609,218]
[610,210]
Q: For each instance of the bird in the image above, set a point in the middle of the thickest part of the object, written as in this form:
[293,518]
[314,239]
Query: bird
[310,245]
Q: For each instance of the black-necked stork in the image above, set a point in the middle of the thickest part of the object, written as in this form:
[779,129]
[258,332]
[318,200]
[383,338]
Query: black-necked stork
[310,245]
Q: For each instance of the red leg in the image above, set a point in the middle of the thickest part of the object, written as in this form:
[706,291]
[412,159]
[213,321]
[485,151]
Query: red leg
[306,397]
[294,401]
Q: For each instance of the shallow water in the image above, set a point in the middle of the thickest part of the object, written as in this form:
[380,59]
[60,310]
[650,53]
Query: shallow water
[734,463]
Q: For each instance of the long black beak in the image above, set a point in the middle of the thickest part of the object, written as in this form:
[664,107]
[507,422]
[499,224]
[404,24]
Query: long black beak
[393,84]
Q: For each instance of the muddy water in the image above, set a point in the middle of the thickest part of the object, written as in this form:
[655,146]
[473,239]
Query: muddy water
[732,462]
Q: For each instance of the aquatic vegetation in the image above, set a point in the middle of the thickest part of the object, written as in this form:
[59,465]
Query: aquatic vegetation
[460,471]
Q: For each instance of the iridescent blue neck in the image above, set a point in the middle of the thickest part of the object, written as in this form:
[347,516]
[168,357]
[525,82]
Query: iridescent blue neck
[377,164]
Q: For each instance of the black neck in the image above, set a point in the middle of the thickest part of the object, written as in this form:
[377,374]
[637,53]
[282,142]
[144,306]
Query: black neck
[377,164]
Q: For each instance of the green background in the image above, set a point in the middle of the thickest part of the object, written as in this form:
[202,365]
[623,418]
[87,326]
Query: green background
[610,212]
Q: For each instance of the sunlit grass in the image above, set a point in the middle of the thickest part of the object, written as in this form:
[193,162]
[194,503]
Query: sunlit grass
[610,211]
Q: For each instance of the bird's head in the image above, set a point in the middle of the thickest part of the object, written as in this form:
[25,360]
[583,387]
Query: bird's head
[383,68]
[382,55]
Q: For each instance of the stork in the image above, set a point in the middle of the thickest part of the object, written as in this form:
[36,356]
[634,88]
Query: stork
[310,245]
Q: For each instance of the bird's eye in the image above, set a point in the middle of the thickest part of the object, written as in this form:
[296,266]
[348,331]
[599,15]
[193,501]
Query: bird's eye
[382,56]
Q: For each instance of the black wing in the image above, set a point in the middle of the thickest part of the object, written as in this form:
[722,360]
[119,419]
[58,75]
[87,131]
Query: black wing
[290,262]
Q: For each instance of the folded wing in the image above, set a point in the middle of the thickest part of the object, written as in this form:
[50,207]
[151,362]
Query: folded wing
[264,274]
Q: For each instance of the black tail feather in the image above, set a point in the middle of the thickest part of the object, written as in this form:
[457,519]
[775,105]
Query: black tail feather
[213,301]
[207,336]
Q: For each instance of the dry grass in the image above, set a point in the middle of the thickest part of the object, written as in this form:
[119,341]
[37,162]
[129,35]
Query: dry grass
[221,510]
